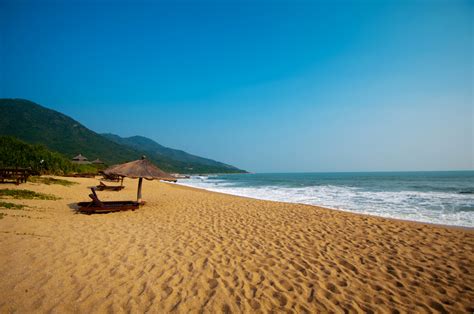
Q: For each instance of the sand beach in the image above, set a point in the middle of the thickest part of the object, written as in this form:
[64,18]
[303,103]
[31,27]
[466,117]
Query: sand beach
[194,251]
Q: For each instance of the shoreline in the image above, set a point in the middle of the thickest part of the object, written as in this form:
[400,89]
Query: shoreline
[336,209]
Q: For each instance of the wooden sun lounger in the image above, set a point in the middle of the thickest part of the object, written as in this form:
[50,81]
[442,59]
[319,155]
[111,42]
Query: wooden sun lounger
[103,187]
[16,175]
[110,177]
[80,175]
[97,206]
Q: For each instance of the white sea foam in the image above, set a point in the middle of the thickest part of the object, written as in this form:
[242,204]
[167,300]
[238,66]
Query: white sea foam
[431,207]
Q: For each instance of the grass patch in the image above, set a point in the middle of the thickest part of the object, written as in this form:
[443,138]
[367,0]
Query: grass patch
[26,194]
[11,206]
[49,181]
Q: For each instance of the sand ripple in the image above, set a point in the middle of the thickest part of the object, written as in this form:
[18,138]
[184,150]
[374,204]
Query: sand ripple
[195,251]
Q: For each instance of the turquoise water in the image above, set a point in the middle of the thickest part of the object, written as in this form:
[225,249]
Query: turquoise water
[434,197]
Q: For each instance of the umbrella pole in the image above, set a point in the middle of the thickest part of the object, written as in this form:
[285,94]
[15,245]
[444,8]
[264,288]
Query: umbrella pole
[139,192]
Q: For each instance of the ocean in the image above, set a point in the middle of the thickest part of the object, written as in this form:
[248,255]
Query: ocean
[444,197]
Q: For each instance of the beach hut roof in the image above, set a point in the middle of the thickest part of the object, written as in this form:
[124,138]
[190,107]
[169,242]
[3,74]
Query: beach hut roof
[97,161]
[142,168]
[80,158]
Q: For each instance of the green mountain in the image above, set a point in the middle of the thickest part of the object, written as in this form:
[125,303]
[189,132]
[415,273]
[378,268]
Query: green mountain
[35,124]
[154,150]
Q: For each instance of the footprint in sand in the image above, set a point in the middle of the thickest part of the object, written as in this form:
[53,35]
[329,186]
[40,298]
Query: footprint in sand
[282,300]
[167,290]
[331,287]
[226,309]
[212,283]
[254,304]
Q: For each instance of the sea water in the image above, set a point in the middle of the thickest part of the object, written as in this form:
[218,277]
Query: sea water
[433,197]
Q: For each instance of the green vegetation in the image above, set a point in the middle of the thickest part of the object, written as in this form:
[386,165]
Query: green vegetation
[26,194]
[49,181]
[35,124]
[11,206]
[57,132]
[15,153]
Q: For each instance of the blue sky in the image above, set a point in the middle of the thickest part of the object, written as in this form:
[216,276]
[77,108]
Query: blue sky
[268,86]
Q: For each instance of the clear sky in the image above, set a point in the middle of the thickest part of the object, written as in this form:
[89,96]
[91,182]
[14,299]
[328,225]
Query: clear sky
[268,86]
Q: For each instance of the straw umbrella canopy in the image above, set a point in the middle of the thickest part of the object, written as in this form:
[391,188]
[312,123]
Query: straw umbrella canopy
[141,169]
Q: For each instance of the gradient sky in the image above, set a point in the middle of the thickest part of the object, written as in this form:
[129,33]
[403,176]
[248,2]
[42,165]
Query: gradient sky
[268,86]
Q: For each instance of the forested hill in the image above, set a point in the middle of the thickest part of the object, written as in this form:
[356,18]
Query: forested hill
[36,124]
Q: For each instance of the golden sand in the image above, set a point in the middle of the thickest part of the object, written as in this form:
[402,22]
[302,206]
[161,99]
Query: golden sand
[190,250]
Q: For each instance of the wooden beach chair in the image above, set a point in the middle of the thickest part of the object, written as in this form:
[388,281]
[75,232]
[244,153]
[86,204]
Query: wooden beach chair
[98,206]
[103,187]
[80,175]
[110,177]
[16,175]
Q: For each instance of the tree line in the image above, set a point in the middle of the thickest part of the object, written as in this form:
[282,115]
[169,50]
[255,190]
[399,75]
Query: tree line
[18,154]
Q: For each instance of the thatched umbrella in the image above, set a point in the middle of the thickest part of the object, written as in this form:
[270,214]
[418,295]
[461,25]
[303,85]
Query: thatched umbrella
[140,169]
